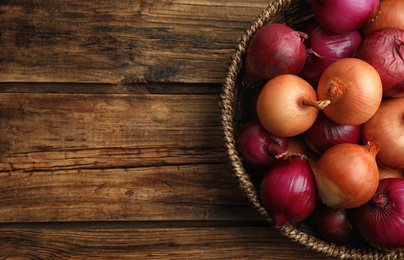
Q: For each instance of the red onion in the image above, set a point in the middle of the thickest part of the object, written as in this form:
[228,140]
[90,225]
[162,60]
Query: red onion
[258,147]
[288,191]
[275,49]
[344,15]
[325,133]
[325,47]
[384,50]
[335,225]
[381,220]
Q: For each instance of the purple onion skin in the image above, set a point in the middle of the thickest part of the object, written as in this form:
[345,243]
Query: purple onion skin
[381,220]
[288,191]
[259,148]
[384,50]
[344,15]
[325,133]
[324,48]
[275,49]
[335,225]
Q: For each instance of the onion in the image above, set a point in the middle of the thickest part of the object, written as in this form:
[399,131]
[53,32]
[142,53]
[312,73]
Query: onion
[335,225]
[381,220]
[354,89]
[384,50]
[288,191]
[326,47]
[344,15]
[391,14]
[298,146]
[275,49]
[386,128]
[347,175]
[259,148]
[325,133]
[287,105]
[385,173]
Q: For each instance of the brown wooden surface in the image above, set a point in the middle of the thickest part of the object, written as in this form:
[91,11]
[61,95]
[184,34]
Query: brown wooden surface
[110,141]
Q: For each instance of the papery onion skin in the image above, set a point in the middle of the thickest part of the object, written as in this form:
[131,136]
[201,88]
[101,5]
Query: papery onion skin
[391,14]
[384,50]
[354,88]
[347,175]
[280,107]
[385,173]
[288,191]
[324,48]
[258,147]
[386,128]
[381,220]
[275,49]
[344,15]
[325,133]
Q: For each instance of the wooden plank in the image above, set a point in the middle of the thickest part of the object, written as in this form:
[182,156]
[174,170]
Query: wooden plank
[91,88]
[82,157]
[121,41]
[31,122]
[171,193]
[158,243]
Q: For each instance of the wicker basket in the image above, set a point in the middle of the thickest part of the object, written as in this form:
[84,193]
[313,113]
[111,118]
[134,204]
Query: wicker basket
[235,111]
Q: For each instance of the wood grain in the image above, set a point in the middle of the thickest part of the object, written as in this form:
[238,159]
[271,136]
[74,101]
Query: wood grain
[121,41]
[156,243]
[64,121]
[100,157]
[148,194]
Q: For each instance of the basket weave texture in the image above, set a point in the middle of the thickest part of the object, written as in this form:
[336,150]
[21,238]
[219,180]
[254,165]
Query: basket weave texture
[292,13]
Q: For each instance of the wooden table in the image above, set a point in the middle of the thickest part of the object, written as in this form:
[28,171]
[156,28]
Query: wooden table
[110,140]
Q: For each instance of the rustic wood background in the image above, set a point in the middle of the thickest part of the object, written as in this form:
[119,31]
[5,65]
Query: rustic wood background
[110,141]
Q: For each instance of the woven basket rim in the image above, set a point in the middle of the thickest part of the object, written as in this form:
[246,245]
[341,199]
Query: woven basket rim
[227,97]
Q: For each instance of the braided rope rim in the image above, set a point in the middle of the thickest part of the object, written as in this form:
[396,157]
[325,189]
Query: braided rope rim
[227,98]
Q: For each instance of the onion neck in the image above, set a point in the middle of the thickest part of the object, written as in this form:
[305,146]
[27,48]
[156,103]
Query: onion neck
[303,36]
[275,150]
[372,148]
[317,104]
